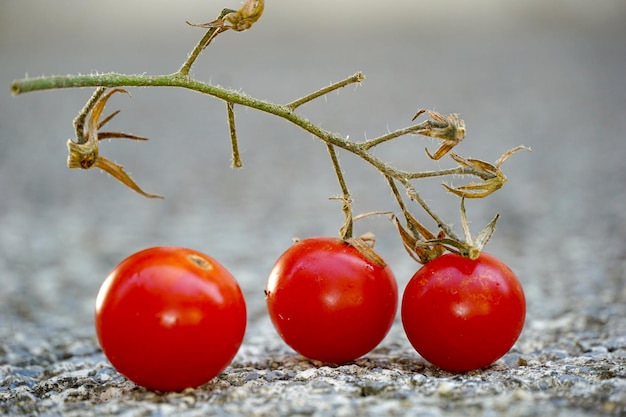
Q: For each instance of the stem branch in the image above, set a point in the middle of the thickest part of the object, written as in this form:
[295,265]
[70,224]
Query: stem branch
[233,97]
[346,231]
[356,78]
[400,132]
[203,43]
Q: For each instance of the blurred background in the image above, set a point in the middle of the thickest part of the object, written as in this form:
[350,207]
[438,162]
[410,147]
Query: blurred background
[549,75]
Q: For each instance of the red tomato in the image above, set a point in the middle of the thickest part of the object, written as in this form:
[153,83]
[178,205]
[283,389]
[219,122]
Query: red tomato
[170,318]
[461,314]
[329,302]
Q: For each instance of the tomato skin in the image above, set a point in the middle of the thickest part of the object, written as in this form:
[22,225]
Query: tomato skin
[169,318]
[328,302]
[462,315]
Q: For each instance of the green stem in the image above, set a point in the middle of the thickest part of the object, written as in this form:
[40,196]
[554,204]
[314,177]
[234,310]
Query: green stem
[400,132]
[236,160]
[356,78]
[79,121]
[403,208]
[204,42]
[284,111]
[414,195]
[346,231]
[460,170]
[241,20]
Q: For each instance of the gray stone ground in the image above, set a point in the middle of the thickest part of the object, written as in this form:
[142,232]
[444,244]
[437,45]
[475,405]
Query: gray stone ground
[550,76]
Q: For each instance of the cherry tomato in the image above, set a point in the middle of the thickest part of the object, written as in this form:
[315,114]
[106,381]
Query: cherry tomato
[329,302]
[170,318]
[461,314]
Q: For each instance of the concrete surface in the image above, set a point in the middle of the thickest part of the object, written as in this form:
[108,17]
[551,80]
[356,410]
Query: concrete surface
[550,76]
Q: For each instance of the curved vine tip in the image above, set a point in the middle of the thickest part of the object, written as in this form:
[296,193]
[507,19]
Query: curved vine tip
[84,153]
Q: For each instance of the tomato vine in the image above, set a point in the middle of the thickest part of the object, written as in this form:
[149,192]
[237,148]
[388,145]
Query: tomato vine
[422,244]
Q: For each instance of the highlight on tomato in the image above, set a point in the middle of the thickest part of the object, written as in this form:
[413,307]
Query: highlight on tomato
[169,318]
[461,314]
[329,302]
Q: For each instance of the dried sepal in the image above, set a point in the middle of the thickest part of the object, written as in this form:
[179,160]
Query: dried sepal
[86,155]
[117,172]
[450,130]
[114,135]
[475,246]
[415,237]
[485,234]
[365,245]
[408,240]
[470,248]
[510,152]
[414,232]
[449,244]
[492,175]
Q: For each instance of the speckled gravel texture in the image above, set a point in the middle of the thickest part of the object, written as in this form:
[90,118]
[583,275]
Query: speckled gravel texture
[550,75]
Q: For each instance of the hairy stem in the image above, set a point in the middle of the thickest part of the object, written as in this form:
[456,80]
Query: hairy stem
[356,78]
[414,195]
[400,132]
[234,97]
[236,158]
[346,232]
[203,43]
[286,112]
[175,80]
[403,208]
[79,121]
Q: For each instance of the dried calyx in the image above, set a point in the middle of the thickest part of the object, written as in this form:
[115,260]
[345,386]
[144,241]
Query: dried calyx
[450,130]
[84,152]
[492,175]
[237,20]
[422,244]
